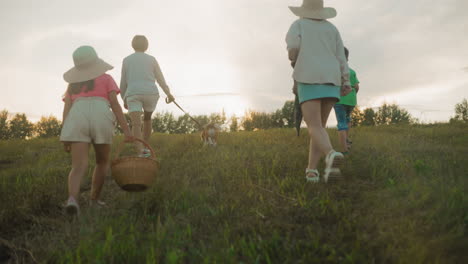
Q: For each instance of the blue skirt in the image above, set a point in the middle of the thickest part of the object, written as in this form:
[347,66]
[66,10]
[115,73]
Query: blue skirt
[308,92]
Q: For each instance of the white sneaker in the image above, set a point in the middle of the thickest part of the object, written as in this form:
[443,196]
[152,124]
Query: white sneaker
[97,204]
[72,208]
[333,161]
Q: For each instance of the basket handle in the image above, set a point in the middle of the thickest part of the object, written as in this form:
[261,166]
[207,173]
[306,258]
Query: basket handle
[121,145]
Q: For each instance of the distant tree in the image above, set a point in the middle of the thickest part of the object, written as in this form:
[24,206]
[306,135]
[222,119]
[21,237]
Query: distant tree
[47,127]
[461,111]
[185,125]
[257,120]
[219,119]
[357,117]
[368,117]
[247,122]
[164,122]
[234,126]
[4,126]
[277,119]
[203,120]
[287,113]
[392,114]
[20,127]
[118,129]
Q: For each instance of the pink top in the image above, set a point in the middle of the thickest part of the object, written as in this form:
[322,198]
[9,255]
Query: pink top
[103,85]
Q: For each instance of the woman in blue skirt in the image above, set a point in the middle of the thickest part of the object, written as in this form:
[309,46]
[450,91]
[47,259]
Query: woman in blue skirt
[321,72]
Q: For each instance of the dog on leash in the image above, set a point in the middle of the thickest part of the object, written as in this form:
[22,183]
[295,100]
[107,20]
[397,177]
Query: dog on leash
[209,135]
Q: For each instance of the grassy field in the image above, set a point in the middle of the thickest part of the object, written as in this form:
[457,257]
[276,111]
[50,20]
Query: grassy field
[404,199]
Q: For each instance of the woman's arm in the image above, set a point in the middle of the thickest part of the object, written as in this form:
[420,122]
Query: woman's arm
[162,82]
[292,55]
[123,81]
[117,109]
[340,55]
[293,42]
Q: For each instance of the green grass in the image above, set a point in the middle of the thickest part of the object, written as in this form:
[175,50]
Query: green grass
[404,200]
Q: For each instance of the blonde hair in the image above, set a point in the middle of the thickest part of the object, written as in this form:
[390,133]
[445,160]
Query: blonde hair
[140,43]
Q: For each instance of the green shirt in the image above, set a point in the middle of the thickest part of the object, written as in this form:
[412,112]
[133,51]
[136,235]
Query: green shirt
[350,99]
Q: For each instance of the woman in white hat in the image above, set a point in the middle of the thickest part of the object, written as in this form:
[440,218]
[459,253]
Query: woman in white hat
[89,115]
[321,72]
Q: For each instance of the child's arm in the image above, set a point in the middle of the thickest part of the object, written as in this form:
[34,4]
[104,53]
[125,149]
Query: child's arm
[292,54]
[340,55]
[66,108]
[117,109]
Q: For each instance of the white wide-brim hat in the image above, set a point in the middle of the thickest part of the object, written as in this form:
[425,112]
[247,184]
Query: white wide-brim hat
[88,66]
[313,9]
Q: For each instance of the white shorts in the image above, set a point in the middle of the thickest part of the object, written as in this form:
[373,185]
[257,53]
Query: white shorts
[139,102]
[90,120]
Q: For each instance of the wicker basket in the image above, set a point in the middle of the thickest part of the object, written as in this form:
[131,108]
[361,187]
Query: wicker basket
[135,174]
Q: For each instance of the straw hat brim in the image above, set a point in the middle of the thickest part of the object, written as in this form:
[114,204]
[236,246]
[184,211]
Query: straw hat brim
[91,72]
[324,13]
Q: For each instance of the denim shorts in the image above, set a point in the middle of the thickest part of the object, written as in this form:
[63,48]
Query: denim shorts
[343,115]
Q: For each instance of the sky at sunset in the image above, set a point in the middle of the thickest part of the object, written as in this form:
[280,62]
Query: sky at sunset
[231,54]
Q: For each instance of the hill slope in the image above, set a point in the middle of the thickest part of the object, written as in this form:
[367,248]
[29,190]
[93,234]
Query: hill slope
[403,200]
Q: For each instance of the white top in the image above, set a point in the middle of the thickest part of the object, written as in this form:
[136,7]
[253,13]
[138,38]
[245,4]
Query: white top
[139,73]
[321,57]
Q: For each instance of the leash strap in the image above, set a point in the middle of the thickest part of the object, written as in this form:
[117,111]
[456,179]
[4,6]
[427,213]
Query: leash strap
[194,120]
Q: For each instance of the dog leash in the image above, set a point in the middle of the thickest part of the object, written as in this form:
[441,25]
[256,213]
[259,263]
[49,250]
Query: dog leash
[194,120]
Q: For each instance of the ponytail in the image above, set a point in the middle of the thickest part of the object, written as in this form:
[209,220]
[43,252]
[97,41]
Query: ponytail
[76,88]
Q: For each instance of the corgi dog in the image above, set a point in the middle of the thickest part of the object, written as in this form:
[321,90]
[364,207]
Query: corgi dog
[209,135]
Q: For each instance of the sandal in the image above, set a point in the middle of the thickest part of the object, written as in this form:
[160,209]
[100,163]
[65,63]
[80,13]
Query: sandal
[312,175]
[333,161]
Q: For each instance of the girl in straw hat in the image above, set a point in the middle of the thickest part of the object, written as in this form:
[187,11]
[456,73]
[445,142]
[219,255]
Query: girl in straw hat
[90,111]
[321,72]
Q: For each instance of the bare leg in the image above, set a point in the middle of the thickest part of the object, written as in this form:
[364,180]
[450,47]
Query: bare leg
[101,169]
[136,128]
[147,126]
[326,107]
[347,131]
[79,153]
[342,136]
[314,156]
[320,142]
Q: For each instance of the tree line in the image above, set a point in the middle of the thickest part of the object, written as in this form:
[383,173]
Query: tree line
[19,127]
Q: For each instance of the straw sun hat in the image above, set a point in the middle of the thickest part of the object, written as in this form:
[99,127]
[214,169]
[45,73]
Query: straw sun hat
[313,9]
[88,66]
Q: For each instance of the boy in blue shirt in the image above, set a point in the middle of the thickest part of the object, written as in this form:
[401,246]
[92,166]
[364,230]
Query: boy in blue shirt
[344,108]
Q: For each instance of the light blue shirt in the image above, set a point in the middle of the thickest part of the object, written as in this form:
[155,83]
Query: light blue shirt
[321,57]
[140,71]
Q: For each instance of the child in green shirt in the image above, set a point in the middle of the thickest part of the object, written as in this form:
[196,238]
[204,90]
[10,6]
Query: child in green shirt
[344,108]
